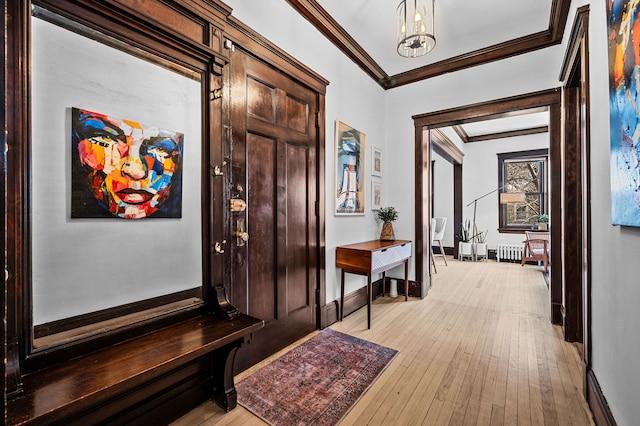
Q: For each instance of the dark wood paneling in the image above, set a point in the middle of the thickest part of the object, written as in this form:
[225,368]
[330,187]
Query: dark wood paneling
[602,414]
[572,219]
[555,170]
[272,273]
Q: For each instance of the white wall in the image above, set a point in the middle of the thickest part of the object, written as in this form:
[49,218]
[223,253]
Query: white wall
[481,160]
[615,293]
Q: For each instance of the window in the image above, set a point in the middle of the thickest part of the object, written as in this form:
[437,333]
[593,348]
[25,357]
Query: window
[523,172]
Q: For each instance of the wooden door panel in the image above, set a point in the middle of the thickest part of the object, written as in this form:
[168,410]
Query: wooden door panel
[261,212]
[274,155]
[261,100]
[296,238]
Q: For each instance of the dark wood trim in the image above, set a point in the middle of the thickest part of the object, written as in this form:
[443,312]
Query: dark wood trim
[260,47]
[445,148]
[70,323]
[575,77]
[508,134]
[555,171]
[508,49]
[422,171]
[600,409]
[320,213]
[531,154]
[462,134]
[541,101]
[319,17]
[329,27]
[457,206]
[498,108]
[4,128]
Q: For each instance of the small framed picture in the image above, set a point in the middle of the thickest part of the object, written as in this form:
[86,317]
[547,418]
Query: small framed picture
[376,195]
[376,161]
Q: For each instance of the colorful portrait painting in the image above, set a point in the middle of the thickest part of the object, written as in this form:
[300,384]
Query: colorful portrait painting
[123,169]
[624,107]
[350,149]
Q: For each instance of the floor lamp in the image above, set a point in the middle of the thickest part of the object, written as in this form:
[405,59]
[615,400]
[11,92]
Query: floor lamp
[505,198]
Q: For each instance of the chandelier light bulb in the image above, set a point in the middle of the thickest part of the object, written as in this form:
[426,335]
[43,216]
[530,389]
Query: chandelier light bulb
[417,38]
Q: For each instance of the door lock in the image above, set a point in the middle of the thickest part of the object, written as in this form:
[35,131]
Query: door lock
[237,205]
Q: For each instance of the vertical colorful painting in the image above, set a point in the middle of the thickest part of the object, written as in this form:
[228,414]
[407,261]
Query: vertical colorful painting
[350,150]
[121,168]
[624,109]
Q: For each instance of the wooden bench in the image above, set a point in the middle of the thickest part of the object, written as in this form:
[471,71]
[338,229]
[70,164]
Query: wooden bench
[110,384]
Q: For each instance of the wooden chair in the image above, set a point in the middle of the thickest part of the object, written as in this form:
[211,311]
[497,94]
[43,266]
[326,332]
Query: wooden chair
[536,248]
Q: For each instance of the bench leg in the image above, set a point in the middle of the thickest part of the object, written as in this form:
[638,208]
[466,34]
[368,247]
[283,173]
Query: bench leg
[224,390]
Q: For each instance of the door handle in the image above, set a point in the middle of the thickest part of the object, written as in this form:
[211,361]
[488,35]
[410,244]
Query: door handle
[241,236]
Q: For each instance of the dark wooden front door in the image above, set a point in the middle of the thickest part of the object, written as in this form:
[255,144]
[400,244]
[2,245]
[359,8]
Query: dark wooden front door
[273,160]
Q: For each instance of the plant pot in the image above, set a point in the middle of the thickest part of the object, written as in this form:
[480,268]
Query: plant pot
[386,234]
[481,250]
[465,250]
[543,226]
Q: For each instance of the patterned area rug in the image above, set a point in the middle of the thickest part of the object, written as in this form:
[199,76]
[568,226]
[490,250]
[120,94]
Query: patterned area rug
[317,382]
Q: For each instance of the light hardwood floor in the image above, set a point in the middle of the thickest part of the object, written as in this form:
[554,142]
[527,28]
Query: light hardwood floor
[478,350]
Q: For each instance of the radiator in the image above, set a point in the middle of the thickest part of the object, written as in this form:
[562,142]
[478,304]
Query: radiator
[509,252]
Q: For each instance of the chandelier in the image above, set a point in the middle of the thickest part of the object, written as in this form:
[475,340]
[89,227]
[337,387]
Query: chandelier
[416,28]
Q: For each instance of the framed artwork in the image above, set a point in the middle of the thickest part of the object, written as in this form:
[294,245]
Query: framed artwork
[624,115]
[350,169]
[376,195]
[376,159]
[124,169]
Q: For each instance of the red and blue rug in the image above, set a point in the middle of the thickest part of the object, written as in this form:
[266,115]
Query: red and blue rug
[315,383]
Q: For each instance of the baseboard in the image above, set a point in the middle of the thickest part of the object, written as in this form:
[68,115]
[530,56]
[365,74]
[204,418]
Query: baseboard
[602,414]
[358,299]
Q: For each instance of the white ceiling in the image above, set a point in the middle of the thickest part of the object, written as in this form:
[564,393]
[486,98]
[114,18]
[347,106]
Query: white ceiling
[462,26]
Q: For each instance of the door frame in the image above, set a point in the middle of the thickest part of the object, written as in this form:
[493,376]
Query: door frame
[549,100]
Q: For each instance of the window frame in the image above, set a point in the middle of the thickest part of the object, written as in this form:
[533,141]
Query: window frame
[503,158]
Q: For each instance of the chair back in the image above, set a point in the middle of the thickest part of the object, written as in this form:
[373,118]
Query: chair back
[440,224]
[433,229]
[537,242]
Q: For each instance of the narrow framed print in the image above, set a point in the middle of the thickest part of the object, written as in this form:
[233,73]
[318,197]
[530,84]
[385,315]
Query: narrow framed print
[350,170]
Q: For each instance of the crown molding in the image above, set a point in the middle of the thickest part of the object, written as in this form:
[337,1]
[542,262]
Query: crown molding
[328,26]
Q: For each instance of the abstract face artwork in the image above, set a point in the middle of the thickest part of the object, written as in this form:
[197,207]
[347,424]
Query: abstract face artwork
[124,169]
[624,110]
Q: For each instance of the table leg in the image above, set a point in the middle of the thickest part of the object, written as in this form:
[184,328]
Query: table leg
[384,282]
[406,280]
[369,291]
[341,293]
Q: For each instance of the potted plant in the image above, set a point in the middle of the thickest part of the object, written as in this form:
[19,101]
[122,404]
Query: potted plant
[481,244]
[465,248]
[387,215]
[543,222]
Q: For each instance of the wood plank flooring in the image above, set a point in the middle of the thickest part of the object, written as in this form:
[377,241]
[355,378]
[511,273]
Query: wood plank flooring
[479,350]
